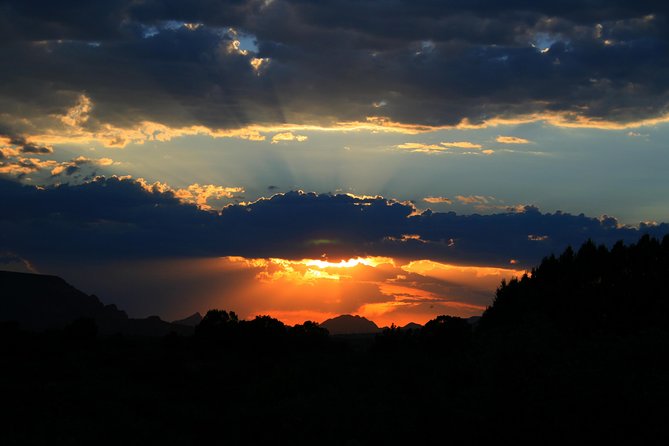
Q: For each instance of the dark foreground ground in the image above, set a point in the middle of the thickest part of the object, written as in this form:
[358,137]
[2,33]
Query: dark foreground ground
[576,352]
[58,390]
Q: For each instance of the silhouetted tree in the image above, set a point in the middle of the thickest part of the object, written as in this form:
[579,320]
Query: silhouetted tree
[595,290]
[217,325]
[263,332]
[309,335]
[393,338]
[447,333]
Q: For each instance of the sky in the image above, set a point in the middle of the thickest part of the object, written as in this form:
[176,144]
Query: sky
[393,159]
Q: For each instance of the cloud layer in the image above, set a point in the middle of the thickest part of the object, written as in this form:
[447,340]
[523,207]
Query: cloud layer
[123,218]
[78,68]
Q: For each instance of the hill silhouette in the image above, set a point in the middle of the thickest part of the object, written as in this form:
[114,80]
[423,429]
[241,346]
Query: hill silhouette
[190,321]
[348,324]
[40,302]
[412,326]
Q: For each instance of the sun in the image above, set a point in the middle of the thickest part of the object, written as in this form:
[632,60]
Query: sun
[350,263]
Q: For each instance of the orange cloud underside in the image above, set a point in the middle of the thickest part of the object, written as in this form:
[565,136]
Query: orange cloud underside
[383,289]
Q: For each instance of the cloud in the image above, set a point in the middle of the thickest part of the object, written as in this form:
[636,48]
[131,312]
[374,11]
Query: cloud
[436,200]
[72,167]
[511,140]
[124,66]
[23,145]
[383,289]
[8,152]
[111,218]
[417,147]
[200,195]
[22,166]
[288,136]
[12,163]
[474,199]
[462,145]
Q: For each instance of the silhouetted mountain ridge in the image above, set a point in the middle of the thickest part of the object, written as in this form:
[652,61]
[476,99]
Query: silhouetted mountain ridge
[349,324]
[412,326]
[190,321]
[40,302]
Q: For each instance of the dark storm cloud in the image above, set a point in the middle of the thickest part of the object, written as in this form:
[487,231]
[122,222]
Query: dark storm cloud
[420,62]
[66,19]
[112,218]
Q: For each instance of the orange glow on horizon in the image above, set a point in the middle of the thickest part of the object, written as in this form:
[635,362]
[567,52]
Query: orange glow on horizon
[382,289]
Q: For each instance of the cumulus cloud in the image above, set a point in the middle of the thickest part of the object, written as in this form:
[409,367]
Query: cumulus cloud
[69,168]
[124,218]
[122,64]
[21,144]
[21,166]
[200,195]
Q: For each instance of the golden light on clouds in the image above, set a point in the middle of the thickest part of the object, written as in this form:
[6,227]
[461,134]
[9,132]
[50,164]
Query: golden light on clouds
[383,289]
[431,268]
[234,47]
[511,140]
[307,270]
[80,161]
[465,148]
[437,200]
[417,147]
[77,126]
[78,114]
[201,194]
[24,166]
[258,62]
[474,199]
[288,136]
[192,194]
[350,263]
[462,145]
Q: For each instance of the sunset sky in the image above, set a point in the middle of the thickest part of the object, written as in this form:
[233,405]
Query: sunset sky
[394,159]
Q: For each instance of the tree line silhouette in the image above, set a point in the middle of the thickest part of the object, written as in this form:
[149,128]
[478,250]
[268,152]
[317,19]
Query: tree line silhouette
[579,346]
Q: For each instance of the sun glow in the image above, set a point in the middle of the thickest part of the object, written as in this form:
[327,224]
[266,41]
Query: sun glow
[350,263]
[384,289]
